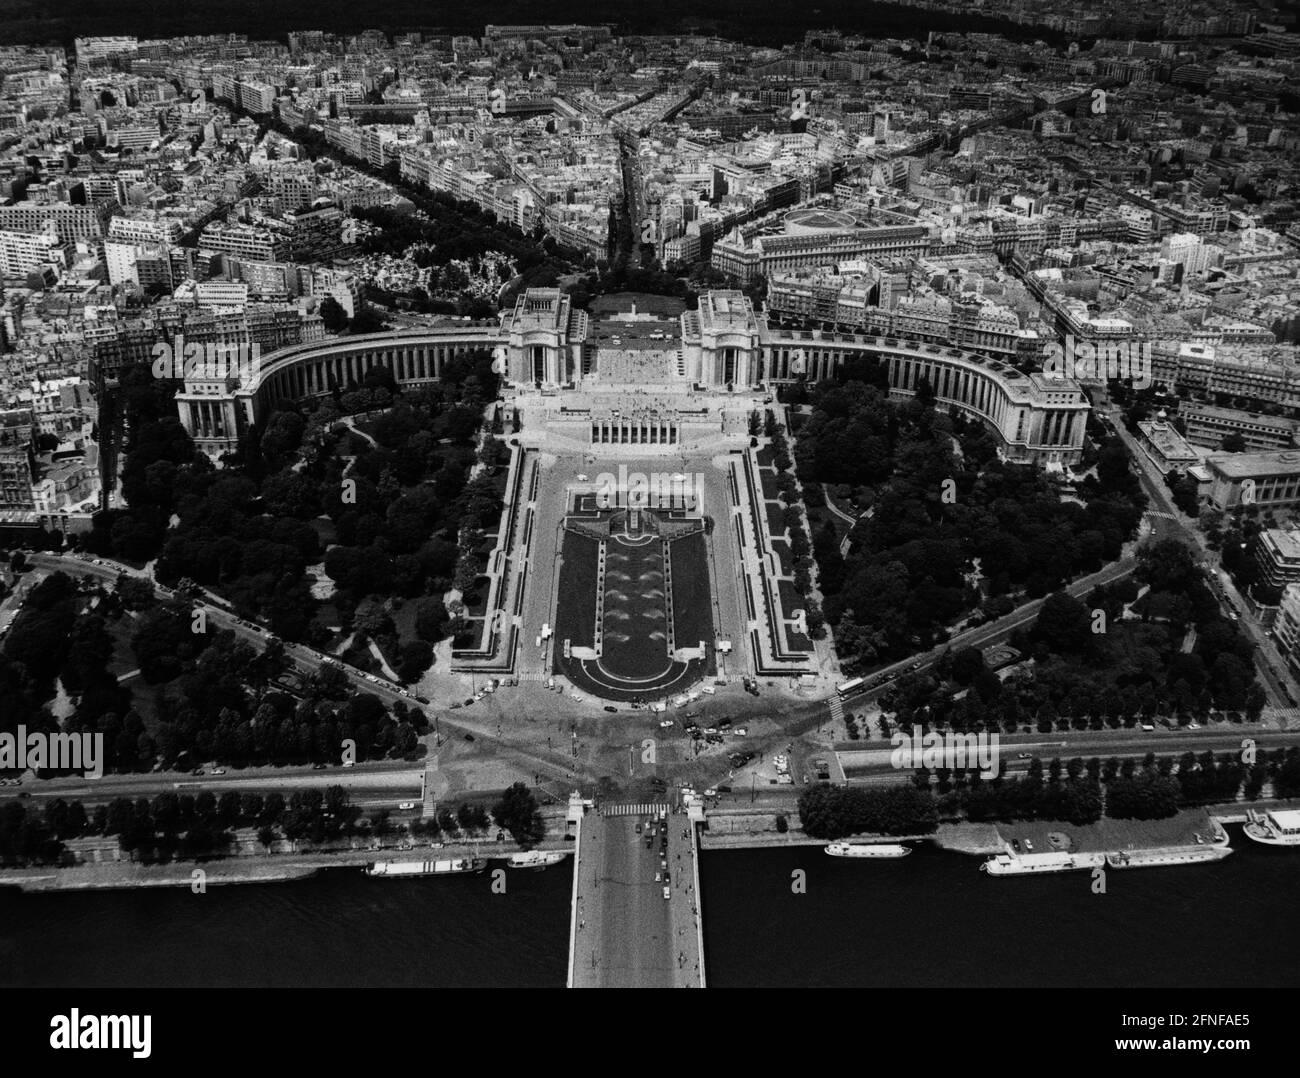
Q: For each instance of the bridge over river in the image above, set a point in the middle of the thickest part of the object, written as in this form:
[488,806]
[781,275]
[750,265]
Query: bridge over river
[624,933]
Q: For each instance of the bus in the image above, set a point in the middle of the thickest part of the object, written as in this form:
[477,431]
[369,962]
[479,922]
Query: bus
[850,685]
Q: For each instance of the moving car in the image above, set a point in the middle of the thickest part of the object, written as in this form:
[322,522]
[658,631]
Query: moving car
[405,805]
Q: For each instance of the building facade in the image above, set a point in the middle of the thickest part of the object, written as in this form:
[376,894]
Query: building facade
[722,347]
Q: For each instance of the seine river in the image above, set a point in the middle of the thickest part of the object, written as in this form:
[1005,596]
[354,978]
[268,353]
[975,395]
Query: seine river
[930,919]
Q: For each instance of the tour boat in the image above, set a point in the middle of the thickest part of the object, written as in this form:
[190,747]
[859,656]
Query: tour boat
[535,858]
[1007,864]
[426,868]
[867,849]
[1276,827]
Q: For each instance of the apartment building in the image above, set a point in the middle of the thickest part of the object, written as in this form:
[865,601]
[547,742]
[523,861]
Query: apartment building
[246,242]
[70,222]
[1277,552]
[23,252]
[1207,425]
[17,459]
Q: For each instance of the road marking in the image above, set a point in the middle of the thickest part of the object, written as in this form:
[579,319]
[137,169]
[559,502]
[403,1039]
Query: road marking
[643,808]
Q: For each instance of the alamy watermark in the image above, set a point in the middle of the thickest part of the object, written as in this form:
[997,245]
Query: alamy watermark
[54,751]
[1099,361]
[956,752]
[113,1031]
[649,490]
[208,359]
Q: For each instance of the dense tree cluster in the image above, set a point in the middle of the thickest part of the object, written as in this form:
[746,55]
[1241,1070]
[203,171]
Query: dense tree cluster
[173,825]
[394,504]
[56,637]
[517,813]
[217,697]
[1074,791]
[940,499]
[250,530]
[836,811]
[25,838]
[793,518]
[1073,798]
[224,706]
[465,821]
[448,229]
[1094,668]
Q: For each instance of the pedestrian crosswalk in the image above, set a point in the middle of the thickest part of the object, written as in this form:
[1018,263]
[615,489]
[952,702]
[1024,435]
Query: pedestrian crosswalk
[643,808]
[1161,514]
[837,709]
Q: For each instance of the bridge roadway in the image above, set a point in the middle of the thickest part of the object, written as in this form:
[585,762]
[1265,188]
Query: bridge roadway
[624,933]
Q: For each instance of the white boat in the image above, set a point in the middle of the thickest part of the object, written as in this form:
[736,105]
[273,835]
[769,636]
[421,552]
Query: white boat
[426,868]
[1008,864]
[535,858]
[1276,827]
[867,849]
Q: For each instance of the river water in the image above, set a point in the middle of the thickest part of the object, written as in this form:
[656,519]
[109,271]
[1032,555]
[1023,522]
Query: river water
[926,920]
